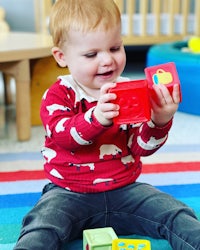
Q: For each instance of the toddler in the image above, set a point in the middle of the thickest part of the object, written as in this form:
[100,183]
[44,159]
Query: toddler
[92,163]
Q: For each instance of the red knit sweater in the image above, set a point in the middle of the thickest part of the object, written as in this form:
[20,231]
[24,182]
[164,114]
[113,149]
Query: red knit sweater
[80,154]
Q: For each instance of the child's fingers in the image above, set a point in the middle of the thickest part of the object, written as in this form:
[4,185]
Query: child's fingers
[164,95]
[105,88]
[105,95]
[108,97]
[176,94]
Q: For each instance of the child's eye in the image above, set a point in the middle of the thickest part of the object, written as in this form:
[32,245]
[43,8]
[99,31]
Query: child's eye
[90,55]
[114,49]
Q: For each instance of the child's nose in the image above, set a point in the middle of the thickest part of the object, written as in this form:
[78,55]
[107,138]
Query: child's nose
[106,59]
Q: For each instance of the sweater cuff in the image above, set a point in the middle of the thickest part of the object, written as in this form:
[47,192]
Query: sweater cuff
[156,131]
[96,123]
[167,126]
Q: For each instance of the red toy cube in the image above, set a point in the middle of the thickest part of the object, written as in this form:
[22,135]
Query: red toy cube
[133,99]
[162,74]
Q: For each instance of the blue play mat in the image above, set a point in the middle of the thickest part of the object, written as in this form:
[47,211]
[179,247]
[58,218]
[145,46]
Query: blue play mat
[188,67]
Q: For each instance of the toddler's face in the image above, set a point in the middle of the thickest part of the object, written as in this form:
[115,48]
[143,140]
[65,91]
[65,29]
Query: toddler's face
[95,58]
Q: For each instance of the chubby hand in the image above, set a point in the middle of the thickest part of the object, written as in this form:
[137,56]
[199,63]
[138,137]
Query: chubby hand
[105,110]
[165,105]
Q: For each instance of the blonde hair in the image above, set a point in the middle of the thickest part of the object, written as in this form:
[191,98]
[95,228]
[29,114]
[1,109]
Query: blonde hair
[81,15]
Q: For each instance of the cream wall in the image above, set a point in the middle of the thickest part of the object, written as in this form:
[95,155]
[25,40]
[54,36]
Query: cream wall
[19,14]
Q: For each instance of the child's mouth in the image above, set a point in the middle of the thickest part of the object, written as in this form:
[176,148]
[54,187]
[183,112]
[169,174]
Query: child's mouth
[109,73]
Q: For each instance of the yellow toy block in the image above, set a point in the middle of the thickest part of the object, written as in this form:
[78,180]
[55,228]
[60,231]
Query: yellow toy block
[131,244]
[98,239]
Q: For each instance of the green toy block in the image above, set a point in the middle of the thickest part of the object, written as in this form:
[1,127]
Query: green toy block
[98,239]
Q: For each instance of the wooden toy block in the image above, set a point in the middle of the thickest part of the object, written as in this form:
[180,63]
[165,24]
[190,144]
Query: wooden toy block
[98,239]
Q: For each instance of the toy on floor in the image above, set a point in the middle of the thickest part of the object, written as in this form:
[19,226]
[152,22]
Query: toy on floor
[98,239]
[194,44]
[106,239]
[133,96]
[131,244]
[133,99]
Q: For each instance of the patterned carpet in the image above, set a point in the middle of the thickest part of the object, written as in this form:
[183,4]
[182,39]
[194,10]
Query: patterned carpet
[174,169]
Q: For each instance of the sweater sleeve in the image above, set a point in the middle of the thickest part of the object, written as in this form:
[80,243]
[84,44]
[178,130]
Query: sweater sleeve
[148,138]
[67,123]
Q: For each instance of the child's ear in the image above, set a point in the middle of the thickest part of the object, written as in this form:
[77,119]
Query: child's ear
[59,56]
